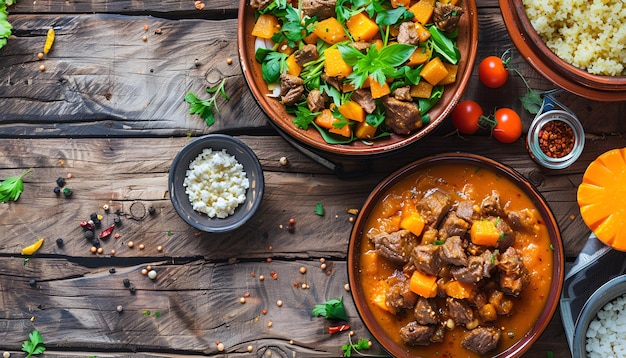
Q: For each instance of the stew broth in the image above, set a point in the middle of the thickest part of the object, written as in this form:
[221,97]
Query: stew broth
[462,182]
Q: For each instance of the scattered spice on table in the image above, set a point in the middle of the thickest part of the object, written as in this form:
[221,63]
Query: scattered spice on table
[556,139]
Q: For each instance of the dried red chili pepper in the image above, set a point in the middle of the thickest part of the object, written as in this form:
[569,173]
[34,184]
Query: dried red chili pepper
[107,232]
[335,329]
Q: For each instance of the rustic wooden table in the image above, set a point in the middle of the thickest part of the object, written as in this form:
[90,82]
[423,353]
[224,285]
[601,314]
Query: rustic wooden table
[109,110]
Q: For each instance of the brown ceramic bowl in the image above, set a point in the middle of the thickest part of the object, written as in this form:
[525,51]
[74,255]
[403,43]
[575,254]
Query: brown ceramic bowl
[370,315]
[467,43]
[550,66]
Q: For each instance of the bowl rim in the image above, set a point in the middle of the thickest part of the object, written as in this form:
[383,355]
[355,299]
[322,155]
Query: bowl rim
[357,149]
[550,66]
[598,298]
[258,190]
[526,341]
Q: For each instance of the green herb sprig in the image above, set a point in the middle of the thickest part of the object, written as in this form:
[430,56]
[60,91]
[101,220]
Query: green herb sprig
[205,108]
[319,209]
[34,345]
[12,187]
[331,309]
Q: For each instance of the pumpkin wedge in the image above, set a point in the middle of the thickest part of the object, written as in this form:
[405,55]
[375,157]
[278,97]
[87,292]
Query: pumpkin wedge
[602,198]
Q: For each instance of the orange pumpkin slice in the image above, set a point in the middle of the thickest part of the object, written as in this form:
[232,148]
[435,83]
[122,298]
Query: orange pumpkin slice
[602,198]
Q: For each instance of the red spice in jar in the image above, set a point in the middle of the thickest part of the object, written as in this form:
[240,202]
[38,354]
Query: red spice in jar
[556,139]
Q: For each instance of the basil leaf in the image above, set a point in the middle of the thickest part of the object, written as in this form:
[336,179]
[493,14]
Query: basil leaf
[396,54]
[350,54]
[444,46]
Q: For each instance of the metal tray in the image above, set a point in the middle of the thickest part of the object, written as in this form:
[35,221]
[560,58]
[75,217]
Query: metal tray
[596,264]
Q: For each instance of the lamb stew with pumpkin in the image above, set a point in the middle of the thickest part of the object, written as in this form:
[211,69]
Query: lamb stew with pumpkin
[455,261]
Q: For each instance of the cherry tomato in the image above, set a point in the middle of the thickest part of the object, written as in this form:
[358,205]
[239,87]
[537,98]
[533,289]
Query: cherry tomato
[509,125]
[466,115]
[492,72]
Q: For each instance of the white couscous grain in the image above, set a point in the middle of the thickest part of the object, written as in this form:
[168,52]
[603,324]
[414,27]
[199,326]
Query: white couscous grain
[589,34]
[216,183]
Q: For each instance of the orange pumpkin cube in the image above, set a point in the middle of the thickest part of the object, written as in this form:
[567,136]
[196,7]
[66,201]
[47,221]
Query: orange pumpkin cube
[379,90]
[451,76]
[292,66]
[352,110]
[422,89]
[361,27]
[423,11]
[331,31]
[420,55]
[335,66]
[434,71]
[266,26]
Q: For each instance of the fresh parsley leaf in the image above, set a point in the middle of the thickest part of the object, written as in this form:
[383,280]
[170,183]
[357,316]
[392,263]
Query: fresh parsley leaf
[34,345]
[532,101]
[319,209]
[157,314]
[331,309]
[12,187]
[145,312]
[294,28]
[5,26]
[389,17]
[303,116]
[375,64]
[273,65]
[204,108]
[361,345]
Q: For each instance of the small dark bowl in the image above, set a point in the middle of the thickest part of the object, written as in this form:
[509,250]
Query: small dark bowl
[251,166]
[550,66]
[525,341]
[467,43]
[606,293]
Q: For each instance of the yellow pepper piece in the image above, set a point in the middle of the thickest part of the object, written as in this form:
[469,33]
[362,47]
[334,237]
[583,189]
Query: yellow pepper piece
[49,41]
[31,249]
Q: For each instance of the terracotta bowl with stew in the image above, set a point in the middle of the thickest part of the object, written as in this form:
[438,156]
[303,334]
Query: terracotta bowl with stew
[549,65]
[428,280]
[467,43]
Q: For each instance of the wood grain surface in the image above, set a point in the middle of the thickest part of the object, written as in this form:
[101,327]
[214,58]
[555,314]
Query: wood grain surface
[109,110]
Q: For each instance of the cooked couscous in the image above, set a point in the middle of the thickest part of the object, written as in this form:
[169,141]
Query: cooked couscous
[587,34]
[216,183]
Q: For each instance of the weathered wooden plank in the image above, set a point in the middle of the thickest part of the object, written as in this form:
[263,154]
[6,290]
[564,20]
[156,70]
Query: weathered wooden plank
[116,172]
[198,303]
[101,79]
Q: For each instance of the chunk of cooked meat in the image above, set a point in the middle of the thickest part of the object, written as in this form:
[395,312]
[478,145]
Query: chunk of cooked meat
[291,89]
[306,54]
[433,206]
[453,251]
[260,4]
[477,267]
[481,340]
[333,81]
[491,206]
[453,225]
[396,247]
[316,101]
[361,46]
[323,9]
[523,220]
[364,98]
[414,334]
[425,311]
[465,210]
[426,259]
[446,16]
[407,33]
[398,296]
[514,276]
[500,303]
[401,117]
[459,311]
[403,94]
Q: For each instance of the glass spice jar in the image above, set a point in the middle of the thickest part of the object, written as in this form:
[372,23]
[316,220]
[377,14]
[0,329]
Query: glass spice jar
[555,139]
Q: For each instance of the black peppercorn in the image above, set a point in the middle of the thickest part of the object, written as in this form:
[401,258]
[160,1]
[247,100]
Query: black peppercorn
[57,190]
[93,216]
[151,210]
[32,282]
[126,282]
[89,235]
[132,289]
[61,181]
[59,241]
[95,242]
[117,221]
[112,270]
[97,222]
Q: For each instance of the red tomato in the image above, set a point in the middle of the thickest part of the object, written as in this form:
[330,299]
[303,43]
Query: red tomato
[466,115]
[492,72]
[508,127]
